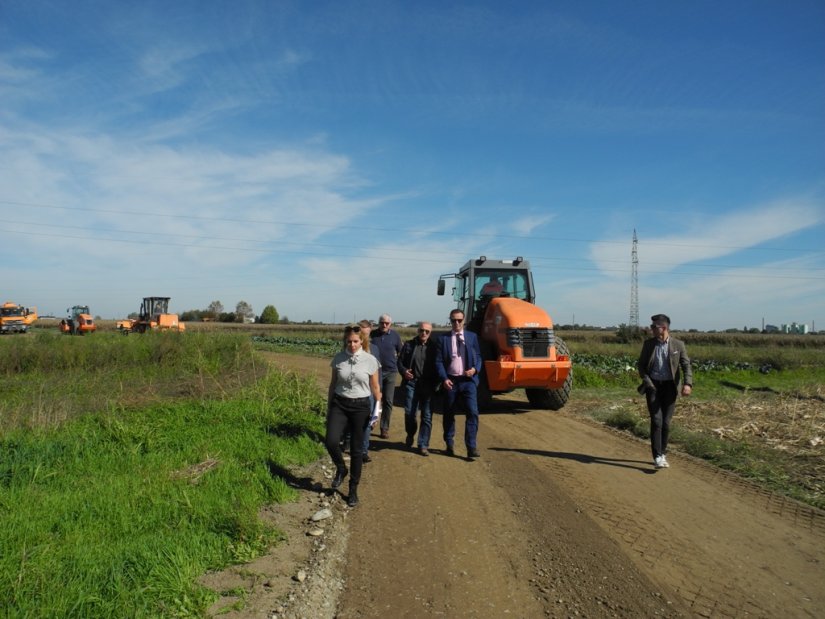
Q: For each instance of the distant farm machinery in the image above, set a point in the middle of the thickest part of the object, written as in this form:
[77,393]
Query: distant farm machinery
[79,321]
[153,316]
[15,318]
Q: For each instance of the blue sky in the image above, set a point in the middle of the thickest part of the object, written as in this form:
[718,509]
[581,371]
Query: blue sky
[334,158]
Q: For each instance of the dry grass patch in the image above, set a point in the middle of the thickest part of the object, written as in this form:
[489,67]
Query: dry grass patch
[781,438]
[787,423]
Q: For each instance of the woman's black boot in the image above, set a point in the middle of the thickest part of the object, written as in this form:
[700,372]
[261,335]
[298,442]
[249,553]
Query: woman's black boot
[339,477]
[352,499]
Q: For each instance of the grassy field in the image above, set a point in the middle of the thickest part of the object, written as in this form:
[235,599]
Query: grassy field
[131,465]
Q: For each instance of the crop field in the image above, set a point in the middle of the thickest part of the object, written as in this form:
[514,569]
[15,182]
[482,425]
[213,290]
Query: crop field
[130,465]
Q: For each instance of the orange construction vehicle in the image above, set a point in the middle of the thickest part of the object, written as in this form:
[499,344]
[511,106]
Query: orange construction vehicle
[79,321]
[15,318]
[154,316]
[518,343]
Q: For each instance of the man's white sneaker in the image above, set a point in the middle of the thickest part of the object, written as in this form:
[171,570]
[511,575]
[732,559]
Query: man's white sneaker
[665,463]
[659,462]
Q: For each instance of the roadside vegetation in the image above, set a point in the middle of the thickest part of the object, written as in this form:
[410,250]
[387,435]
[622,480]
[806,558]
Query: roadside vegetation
[130,466]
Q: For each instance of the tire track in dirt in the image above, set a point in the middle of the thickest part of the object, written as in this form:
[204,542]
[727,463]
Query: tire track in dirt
[727,547]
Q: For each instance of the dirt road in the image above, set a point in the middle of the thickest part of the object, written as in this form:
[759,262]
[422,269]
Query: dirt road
[562,517]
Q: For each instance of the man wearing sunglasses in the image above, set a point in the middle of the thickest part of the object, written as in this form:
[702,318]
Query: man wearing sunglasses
[416,364]
[385,344]
[458,364]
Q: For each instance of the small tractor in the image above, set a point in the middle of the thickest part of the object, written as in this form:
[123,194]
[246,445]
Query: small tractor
[15,318]
[518,344]
[153,316]
[79,321]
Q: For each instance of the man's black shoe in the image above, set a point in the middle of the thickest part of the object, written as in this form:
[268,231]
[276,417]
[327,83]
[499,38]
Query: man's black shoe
[352,499]
[473,453]
[366,458]
[339,478]
[450,450]
[409,441]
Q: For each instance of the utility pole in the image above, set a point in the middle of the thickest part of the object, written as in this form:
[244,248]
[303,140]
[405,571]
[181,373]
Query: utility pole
[633,323]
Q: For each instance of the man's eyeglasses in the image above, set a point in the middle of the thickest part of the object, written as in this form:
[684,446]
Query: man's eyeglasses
[456,320]
[352,329]
[423,330]
[384,322]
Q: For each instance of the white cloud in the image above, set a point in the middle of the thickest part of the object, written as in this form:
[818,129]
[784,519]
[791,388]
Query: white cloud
[110,187]
[526,225]
[711,237]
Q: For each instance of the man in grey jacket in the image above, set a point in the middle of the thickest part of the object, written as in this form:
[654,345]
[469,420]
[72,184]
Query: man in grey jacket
[664,366]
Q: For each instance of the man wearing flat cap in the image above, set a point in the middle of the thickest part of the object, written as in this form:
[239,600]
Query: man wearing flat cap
[664,367]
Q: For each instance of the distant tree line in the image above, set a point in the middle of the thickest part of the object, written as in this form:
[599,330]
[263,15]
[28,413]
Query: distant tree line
[215,312]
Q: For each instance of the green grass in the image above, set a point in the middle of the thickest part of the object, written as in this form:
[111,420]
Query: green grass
[117,512]
[47,379]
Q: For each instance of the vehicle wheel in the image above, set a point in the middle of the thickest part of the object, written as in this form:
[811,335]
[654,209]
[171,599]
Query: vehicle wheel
[553,399]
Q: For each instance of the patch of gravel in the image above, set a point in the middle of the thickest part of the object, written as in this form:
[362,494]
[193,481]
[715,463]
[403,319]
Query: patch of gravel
[301,578]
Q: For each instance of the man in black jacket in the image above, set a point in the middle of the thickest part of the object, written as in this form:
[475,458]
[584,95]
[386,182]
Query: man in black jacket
[663,363]
[416,364]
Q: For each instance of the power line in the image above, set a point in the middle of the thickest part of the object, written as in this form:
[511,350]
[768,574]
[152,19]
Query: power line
[281,243]
[405,257]
[394,230]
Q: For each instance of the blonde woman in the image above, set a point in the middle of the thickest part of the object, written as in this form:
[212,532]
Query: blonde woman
[354,378]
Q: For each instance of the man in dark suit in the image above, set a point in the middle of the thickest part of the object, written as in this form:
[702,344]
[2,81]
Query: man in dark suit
[458,364]
[663,364]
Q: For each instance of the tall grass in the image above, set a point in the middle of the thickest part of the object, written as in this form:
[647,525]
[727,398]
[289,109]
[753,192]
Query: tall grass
[48,379]
[118,511]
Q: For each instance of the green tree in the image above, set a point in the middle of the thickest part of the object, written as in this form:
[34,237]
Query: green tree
[243,312]
[192,315]
[269,316]
[214,310]
[628,333]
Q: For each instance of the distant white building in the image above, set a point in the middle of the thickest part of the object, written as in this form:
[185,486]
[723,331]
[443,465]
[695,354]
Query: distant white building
[795,328]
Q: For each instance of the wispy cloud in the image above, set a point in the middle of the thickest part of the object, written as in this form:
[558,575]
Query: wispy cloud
[713,236]
[288,193]
[526,225]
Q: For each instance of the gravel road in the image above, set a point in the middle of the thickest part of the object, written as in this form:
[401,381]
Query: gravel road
[560,517]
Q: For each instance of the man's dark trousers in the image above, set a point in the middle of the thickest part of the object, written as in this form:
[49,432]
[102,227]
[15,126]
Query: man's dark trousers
[466,390]
[661,403]
[387,397]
